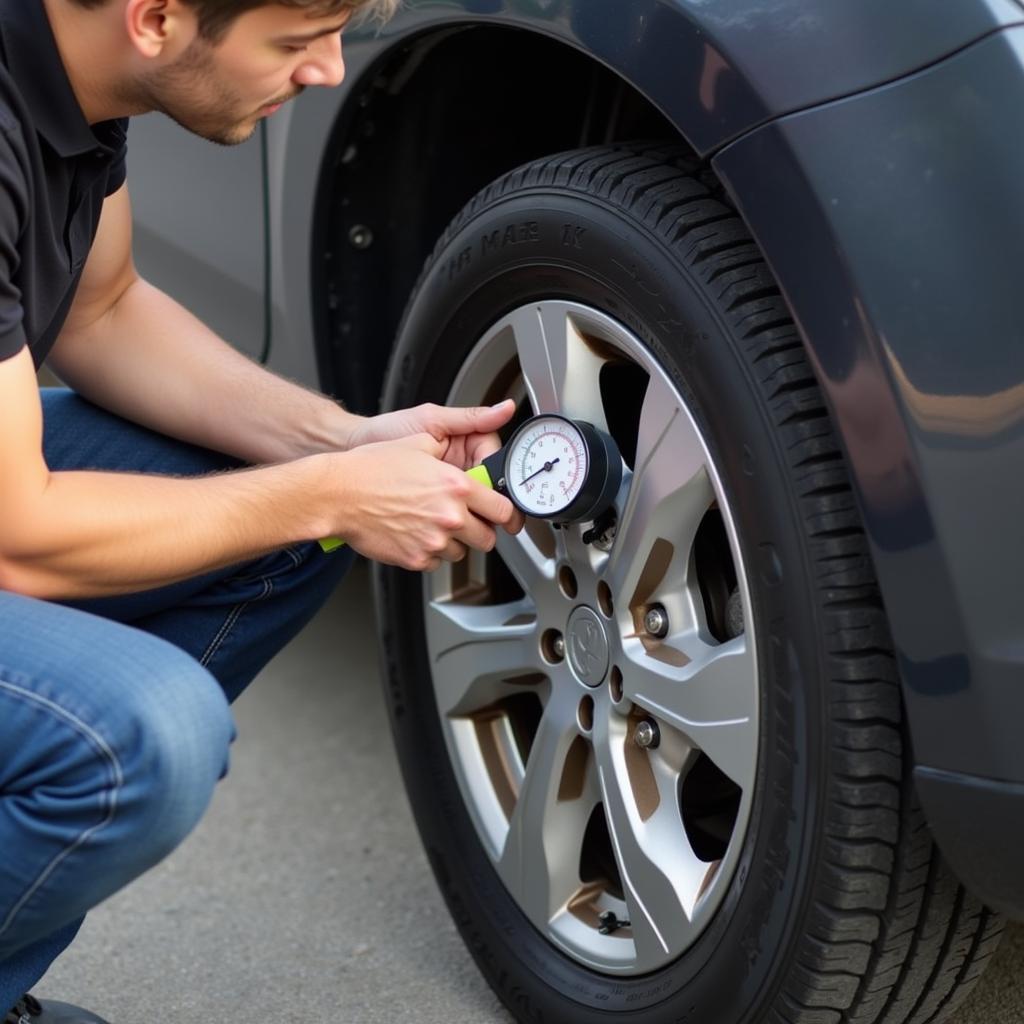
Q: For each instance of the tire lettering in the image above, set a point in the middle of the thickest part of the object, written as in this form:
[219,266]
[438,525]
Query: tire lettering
[572,236]
[514,234]
[458,263]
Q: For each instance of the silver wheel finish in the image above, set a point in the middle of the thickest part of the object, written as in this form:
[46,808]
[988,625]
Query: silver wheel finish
[532,789]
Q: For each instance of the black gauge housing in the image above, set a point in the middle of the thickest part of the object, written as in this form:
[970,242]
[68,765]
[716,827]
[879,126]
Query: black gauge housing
[600,486]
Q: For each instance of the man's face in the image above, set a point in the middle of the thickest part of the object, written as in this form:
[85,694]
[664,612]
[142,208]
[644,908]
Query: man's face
[268,55]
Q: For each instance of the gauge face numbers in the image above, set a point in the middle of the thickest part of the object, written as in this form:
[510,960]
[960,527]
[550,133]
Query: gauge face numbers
[547,466]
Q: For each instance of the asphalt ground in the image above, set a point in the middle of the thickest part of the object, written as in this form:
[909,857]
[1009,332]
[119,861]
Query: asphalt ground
[304,895]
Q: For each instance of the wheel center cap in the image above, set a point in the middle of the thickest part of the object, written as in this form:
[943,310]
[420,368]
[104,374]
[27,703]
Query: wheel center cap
[587,647]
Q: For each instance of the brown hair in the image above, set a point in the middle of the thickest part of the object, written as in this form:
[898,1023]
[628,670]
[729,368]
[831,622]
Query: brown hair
[216,16]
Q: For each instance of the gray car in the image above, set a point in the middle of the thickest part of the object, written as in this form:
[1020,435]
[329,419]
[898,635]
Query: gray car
[749,751]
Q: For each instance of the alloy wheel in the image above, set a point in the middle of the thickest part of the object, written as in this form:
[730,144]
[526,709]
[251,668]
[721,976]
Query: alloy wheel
[599,701]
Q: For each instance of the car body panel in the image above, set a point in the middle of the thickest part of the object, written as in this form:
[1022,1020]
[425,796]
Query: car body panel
[717,68]
[208,254]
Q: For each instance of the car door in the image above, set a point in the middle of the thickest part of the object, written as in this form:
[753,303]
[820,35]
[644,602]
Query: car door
[199,225]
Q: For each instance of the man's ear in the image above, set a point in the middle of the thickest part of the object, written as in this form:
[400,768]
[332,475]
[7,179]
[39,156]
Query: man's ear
[156,27]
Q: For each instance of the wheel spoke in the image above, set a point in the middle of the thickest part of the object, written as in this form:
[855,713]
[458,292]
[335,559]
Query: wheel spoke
[540,860]
[669,494]
[560,368]
[475,652]
[661,875]
[712,701]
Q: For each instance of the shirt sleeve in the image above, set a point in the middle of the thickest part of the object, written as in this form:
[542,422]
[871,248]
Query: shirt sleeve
[118,172]
[12,206]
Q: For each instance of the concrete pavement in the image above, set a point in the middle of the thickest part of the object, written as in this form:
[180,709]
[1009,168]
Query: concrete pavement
[304,895]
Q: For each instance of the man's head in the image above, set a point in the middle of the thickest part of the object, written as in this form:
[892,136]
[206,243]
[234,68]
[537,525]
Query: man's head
[218,66]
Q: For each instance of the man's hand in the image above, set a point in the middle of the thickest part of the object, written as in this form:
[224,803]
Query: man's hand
[467,435]
[403,505]
[464,436]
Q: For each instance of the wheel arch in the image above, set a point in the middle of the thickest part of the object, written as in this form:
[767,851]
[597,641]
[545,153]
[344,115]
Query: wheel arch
[374,228]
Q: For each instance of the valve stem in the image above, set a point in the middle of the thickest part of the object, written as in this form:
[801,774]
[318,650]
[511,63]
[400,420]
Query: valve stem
[610,923]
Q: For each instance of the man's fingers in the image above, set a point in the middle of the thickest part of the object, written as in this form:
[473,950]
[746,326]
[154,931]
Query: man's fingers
[516,523]
[423,442]
[454,551]
[494,417]
[480,419]
[489,504]
[477,533]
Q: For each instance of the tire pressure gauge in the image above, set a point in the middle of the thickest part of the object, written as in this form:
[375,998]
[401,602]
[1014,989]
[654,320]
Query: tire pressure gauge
[556,468]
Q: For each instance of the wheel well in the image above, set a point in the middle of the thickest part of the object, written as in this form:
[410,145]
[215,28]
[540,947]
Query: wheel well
[438,120]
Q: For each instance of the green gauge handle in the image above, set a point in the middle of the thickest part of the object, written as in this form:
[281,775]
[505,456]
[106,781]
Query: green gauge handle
[478,473]
[481,474]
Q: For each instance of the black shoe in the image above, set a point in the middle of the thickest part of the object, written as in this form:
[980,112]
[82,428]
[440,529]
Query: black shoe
[29,1010]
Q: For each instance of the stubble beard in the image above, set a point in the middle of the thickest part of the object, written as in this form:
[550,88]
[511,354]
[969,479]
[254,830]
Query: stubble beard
[190,93]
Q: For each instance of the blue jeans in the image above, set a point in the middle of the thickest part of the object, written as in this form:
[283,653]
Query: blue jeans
[114,720]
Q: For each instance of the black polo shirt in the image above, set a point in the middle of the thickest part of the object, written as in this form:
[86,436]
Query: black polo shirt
[55,172]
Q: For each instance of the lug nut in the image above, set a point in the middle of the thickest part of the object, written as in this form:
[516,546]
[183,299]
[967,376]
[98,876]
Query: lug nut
[647,735]
[656,621]
[552,646]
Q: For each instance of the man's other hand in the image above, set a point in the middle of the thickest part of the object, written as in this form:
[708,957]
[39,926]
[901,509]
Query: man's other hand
[468,434]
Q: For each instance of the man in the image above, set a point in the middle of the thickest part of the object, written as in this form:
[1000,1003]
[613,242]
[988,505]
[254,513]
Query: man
[158,522]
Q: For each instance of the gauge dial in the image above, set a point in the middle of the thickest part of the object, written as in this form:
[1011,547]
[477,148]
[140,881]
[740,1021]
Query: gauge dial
[547,465]
[556,468]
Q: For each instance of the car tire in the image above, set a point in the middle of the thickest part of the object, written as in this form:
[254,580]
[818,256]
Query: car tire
[825,899]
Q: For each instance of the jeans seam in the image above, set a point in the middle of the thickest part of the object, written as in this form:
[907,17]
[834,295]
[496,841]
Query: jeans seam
[292,553]
[117,782]
[229,623]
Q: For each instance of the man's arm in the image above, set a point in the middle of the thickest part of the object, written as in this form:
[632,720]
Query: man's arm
[132,349]
[75,534]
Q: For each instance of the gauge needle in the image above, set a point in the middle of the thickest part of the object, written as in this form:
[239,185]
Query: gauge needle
[546,468]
